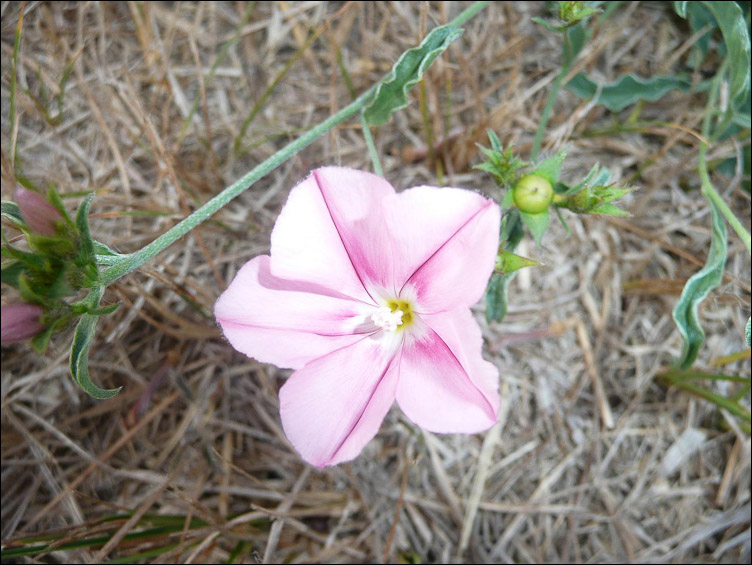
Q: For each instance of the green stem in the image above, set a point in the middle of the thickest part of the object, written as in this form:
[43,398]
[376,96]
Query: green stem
[711,194]
[134,260]
[469,13]
[708,190]
[371,145]
[547,111]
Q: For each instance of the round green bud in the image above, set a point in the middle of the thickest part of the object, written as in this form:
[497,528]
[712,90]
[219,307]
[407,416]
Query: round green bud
[533,194]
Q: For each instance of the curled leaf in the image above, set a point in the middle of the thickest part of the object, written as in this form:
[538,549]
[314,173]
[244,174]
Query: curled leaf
[697,288]
[391,94]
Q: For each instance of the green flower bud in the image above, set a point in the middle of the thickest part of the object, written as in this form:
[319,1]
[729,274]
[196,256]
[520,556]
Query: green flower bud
[533,194]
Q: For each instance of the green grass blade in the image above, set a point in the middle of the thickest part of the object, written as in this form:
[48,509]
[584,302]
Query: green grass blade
[721,401]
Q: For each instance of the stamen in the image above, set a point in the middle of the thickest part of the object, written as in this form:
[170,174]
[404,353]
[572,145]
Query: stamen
[386,319]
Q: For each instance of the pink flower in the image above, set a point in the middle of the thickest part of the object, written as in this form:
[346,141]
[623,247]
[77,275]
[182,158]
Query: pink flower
[41,216]
[20,321]
[367,294]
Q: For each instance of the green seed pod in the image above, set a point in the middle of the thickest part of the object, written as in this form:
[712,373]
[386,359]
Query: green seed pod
[533,194]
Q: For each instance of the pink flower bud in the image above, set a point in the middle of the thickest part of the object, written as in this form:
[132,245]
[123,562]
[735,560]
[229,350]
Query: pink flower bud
[40,215]
[19,322]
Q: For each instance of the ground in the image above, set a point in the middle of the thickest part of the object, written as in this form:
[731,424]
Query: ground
[158,106]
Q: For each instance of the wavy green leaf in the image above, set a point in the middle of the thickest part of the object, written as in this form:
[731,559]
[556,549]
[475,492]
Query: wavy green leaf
[627,90]
[79,355]
[391,94]
[697,288]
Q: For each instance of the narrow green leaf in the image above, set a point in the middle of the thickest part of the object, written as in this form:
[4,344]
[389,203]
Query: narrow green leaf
[681,8]
[697,288]
[12,213]
[727,404]
[57,202]
[79,355]
[391,94]
[733,26]
[627,90]
[747,332]
[82,223]
[678,375]
[536,223]
[494,139]
[608,209]
[550,27]
[508,262]
[32,260]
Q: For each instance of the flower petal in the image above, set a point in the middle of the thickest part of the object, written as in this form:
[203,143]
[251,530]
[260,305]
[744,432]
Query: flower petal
[331,232]
[332,407]
[287,323]
[457,271]
[423,218]
[444,385]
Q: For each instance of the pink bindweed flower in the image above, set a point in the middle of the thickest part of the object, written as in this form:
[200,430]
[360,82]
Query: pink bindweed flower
[39,215]
[366,295]
[20,321]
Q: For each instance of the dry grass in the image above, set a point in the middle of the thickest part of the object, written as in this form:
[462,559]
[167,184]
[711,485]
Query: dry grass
[580,468]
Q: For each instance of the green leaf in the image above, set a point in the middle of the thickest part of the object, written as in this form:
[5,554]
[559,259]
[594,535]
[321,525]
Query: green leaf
[86,259]
[12,213]
[10,272]
[82,223]
[496,297]
[391,94]
[507,201]
[699,17]
[627,90]
[697,288]
[608,209]
[676,375]
[55,246]
[681,8]
[536,223]
[508,262]
[550,27]
[549,168]
[727,404]
[733,26]
[575,39]
[79,355]
[57,202]
[747,332]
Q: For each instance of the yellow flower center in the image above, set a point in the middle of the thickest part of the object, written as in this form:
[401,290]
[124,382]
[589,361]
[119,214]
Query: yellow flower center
[406,308]
[396,315]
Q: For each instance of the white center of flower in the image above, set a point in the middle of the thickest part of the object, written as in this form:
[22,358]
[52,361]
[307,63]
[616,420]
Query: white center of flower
[386,319]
